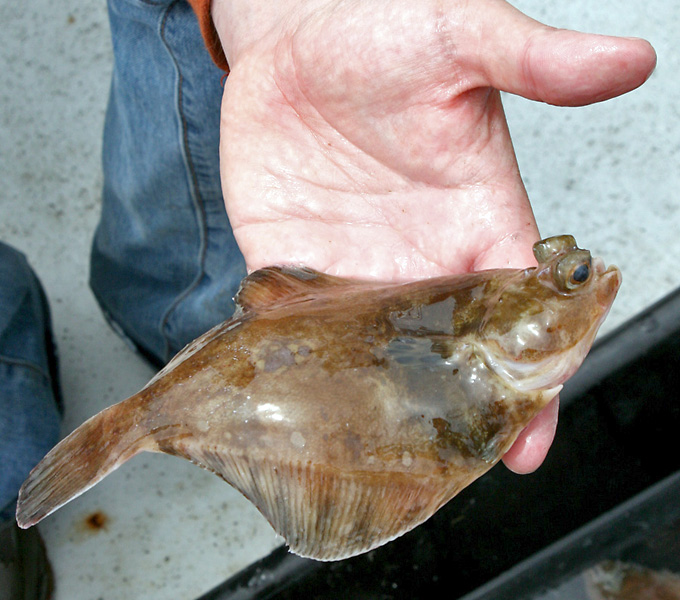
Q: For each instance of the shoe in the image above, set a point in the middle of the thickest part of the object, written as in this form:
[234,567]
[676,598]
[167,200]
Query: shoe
[25,571]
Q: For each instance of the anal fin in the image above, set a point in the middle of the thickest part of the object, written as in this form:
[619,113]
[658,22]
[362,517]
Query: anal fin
[323,513]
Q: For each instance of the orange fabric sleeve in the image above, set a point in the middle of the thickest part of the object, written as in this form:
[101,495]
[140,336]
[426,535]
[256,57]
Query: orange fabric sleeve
[210,37]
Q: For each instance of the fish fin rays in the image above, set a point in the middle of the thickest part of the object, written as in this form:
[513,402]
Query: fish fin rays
[193,347]
[267,287]
[323,513]
[78,462]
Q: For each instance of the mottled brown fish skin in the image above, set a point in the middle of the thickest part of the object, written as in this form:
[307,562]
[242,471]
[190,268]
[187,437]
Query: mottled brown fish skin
[349,412]
[332,372]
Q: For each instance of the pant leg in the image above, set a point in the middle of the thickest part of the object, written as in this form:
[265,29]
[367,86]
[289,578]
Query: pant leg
[29,411]
[165,265]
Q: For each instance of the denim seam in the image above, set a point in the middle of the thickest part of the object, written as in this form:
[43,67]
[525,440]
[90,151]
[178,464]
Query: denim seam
[20,362]
[195,194]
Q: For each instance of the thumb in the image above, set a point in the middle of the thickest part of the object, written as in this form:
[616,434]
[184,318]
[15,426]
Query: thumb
[567,68]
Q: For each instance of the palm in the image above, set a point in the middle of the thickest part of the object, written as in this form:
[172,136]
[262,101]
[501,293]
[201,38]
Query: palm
[357,166]
[368,139]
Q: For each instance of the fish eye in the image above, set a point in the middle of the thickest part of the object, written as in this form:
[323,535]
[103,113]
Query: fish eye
[580,274]
[573,270]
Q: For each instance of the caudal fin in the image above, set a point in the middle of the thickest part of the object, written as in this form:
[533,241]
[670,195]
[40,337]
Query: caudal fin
[79,461]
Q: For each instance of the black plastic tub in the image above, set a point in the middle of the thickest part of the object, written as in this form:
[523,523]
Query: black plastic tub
[618,436]
[640,537]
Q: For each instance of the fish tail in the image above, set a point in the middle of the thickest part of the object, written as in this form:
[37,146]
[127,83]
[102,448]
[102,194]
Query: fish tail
[79,461]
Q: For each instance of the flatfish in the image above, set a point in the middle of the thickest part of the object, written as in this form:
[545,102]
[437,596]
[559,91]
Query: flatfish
[348,412]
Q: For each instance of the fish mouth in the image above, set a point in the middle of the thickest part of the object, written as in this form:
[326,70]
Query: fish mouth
[598,265]
[608,284]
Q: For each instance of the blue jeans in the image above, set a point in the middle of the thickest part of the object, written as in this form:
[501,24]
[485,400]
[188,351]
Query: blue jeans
[29,396]
[164,264]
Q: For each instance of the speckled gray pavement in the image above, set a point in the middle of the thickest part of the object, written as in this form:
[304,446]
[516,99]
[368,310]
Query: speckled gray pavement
[609,174]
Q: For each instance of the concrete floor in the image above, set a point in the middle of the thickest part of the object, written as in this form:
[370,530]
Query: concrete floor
[609,174]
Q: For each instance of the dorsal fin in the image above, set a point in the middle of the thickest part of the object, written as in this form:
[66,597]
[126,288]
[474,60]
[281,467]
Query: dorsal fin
[273,285]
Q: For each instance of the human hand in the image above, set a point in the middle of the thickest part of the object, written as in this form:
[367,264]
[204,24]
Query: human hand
[368,140]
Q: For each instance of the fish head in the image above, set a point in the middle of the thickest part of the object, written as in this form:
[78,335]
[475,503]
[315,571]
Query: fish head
[544,319]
